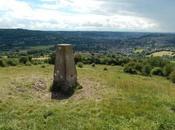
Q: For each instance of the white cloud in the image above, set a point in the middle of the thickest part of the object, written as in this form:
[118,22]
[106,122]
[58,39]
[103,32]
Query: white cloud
[69,15]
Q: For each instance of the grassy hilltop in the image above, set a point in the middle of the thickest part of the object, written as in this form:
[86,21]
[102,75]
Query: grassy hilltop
[109,100]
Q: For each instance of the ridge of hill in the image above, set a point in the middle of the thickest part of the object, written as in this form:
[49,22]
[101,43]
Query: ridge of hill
[12,39]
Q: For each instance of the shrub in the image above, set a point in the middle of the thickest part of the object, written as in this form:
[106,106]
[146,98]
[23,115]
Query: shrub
[157,71]
[28,63]
[93,64]
[52,59]
[80,64]
[168,69]
[13,62]
[77,58]
[146,69]
[23,59]
[105,69]
[157,61]
[133,67]
[43,66]
[138,66]
[130,69]
[172,76]
[3,63]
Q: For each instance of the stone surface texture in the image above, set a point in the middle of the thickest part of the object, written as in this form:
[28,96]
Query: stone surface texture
[65,74]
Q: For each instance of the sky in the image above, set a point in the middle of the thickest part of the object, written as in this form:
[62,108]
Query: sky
[89,15]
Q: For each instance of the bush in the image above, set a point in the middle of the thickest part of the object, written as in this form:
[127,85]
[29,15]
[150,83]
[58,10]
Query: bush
[105,69]
[168,69]
[43,66]
[80,64]
[172,76]
[28,63]
[130,69]
[146,69]
[138,66]
[93,64]
[133,67]
[157,71]
[23,59]
[52,59]
[157,61]
[13,62]
[77,58]
[3,63]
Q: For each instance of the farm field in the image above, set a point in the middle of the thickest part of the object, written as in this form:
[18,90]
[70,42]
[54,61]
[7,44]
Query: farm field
[163,53]
[138,50]
[109,100]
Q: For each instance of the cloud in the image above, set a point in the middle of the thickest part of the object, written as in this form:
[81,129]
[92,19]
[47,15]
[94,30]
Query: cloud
[73,15]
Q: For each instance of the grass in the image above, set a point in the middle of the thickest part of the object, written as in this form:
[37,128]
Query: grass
[109,100]
[163,53]
[138,50]
[43,58]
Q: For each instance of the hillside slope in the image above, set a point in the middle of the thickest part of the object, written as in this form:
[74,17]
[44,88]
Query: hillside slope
[109,100]
[14,39]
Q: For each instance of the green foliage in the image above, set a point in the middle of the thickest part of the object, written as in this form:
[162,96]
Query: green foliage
[105,59]
[157,71]
[146,69]
[168,68]
[43,66]
[167,125]
[24,59]
[13,62]
[133,67]
[20,39]
[52,58]
[157,61]
[172,76]
[105,69]
[77,58]
[80,64]
[93,65]
[28,63]
[3,63]
[159,66]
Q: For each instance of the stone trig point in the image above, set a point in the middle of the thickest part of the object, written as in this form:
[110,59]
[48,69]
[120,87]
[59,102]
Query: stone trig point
[65,74]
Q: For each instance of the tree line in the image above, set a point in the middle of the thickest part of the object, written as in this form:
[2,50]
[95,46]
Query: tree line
[147,66]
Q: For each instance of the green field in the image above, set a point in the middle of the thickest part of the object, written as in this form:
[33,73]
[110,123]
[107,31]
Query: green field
[138,50]
[162,53]
[109,100]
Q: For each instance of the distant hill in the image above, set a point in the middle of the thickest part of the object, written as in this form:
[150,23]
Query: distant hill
[12,39]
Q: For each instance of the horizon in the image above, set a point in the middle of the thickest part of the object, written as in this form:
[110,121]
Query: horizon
[86,31]
[91,15]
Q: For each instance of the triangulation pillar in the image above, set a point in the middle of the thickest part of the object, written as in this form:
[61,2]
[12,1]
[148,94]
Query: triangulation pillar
[65,74]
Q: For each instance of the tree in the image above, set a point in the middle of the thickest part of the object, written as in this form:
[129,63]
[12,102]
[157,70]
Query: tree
[133,67]
[13,62]
[172,76]
[157,71]
[146,69]
[168,69]
[3,63]
[24,59]
[80,64]
[52,58]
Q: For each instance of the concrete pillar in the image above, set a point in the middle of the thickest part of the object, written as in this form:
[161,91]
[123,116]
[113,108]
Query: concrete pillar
[65,74]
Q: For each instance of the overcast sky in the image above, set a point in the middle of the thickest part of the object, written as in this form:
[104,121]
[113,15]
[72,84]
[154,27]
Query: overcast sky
[98,15]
